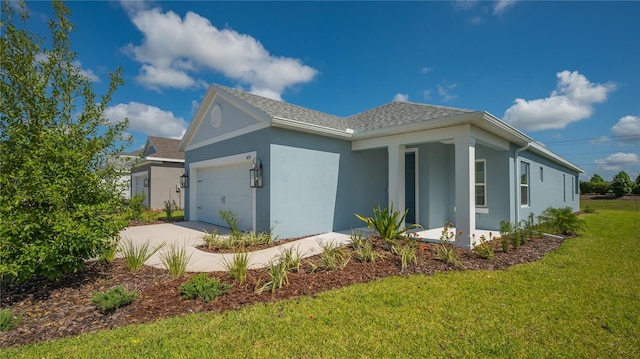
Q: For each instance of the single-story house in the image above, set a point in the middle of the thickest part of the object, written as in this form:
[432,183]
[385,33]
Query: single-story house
[318,170]
[157,173]
[123,162]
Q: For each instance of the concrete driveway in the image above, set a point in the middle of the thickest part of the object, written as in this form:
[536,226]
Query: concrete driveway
[189,235]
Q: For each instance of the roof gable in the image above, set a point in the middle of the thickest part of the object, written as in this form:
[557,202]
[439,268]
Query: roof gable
[160,147]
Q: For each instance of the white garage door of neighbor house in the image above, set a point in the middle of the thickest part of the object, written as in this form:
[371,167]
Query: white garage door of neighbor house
[225,188]
[139,188]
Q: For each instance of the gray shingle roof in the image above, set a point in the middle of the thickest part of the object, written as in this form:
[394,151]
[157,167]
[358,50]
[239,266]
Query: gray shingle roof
[288,111]
[165,148]
[389,115]
[400,113]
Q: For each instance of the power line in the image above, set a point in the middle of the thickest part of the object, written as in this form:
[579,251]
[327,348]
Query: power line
[597,139]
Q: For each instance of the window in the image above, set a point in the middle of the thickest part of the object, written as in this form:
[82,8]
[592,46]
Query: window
[524,184]
[481,183]
[564,188]
[541,174]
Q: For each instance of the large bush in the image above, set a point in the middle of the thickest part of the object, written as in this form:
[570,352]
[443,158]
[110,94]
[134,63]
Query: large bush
[621,184]
[59,195]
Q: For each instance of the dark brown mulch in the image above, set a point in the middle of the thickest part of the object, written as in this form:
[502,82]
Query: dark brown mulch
[55,310]
[251,248]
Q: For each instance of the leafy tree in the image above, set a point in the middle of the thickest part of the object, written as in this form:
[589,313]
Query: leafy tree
[600,187]
[621,184]
[636,188]
[586,187]
[59,196]
[596,178]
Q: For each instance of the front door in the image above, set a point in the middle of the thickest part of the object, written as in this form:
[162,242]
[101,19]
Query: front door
[410,187]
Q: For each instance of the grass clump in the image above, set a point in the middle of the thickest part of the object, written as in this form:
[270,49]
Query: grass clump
[408,253]
[113,299]
[237,266]
[277,273]
[291,258]
[136,255]
[204,288]
[175,259]
[334,256]
[365,251]
[8,321]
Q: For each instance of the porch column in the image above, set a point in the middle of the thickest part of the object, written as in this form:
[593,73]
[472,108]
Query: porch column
[396,176]
[465,160]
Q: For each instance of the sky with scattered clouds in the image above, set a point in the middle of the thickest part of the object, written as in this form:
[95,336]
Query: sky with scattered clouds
[565,73]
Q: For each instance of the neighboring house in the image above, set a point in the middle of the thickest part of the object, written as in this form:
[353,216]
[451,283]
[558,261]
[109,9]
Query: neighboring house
[157,173]
[442,164]
[123,162]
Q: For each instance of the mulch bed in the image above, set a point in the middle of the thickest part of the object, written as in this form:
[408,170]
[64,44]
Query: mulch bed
[52,310]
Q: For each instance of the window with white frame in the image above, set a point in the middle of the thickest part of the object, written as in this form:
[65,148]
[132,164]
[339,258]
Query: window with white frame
[524,184]
[481,183]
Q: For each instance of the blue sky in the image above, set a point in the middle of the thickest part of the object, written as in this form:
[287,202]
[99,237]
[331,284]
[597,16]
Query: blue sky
[565,73]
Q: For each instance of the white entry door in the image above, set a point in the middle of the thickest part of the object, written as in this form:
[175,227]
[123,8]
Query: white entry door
[225,188]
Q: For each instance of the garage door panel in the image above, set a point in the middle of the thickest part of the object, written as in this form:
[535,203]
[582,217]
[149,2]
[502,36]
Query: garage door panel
[225,188]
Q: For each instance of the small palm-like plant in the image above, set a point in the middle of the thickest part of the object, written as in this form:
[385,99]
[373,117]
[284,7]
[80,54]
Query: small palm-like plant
[387,222]
[561,221]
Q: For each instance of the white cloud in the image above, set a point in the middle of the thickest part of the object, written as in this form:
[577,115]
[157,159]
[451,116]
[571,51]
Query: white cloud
[427,94]
[86,72]
[628,129]
[571,101]
[426,70]
[147,119]
[501,6]
[476,20]
[464,4]
[443,91]
[616,161]
[400,97]
[194,106]
[174,50]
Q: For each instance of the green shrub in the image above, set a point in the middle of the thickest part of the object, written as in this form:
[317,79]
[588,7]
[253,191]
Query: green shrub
[232,222]
[151,215]
[485,248]
[115,298]
[388,224]
[204,288]
[561,221]
[169,208]
[175,259]
[589,209]
[135,255]
[506,231]
[334,256]
[136,206]
[109,253]
[8,321]
[622,184]
[446,251]
[238,266]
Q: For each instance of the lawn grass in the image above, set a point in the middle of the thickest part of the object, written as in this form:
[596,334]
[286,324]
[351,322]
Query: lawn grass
[178,214]
[611,204]
[581,301]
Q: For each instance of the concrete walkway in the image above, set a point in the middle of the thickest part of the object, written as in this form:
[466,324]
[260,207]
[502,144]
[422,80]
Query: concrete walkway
[189,235]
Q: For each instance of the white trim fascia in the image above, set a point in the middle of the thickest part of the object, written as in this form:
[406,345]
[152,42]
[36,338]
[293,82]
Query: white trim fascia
[439,123]
[489,139]
[144,173]
[506,130]
[310,128]
[162,159]
[549,154]
[431,135]
[236,133]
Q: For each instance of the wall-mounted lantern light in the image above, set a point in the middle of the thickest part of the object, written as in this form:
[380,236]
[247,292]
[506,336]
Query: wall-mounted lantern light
[184,181]
[255,174]
[145,182]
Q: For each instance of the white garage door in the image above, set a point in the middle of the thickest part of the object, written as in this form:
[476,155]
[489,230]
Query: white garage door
[225,188]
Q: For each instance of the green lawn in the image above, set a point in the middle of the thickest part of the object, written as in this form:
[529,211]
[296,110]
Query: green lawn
[611,204]
[581,301]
